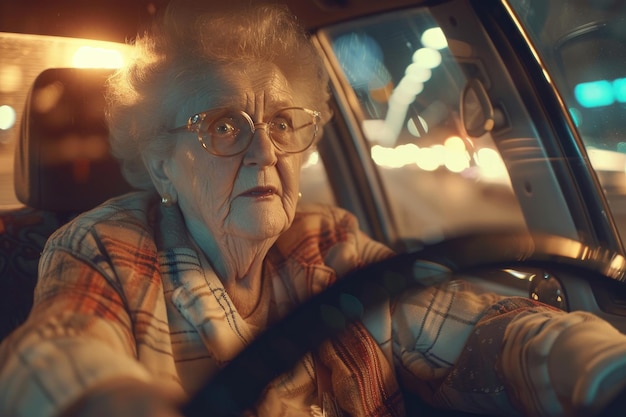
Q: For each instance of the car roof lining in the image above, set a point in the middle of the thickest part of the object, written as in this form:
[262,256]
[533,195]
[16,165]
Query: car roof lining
[119,20]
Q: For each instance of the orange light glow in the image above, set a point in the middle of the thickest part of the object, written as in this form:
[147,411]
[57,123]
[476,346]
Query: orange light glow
[97,57]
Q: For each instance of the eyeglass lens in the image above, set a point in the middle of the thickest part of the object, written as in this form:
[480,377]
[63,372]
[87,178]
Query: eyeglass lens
[291,130]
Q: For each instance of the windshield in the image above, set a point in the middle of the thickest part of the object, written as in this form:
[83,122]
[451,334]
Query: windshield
[582,44]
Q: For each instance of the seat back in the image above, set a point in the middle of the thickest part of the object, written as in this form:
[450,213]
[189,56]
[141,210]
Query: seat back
[63,166]
[63,161]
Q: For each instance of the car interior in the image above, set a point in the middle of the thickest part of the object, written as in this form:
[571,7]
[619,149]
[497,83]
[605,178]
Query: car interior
[65,104]
[63,166]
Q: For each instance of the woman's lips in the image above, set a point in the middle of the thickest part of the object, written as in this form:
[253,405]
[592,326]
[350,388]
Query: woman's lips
[257,192]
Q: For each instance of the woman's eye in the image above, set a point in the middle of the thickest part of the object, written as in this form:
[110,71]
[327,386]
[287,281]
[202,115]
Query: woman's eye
[282,124]
[223,128]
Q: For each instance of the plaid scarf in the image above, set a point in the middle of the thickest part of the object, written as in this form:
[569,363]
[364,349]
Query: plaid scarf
[363,381]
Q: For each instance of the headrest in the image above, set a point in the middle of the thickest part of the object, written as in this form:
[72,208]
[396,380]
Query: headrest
[63,160]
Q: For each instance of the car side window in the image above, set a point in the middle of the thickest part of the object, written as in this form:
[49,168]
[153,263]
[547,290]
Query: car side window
[441,176]
[314,184]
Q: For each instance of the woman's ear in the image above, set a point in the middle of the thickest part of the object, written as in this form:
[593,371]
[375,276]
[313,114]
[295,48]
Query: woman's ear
[161,177]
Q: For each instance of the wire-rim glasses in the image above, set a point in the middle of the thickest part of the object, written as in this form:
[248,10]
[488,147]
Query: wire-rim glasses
[228,132]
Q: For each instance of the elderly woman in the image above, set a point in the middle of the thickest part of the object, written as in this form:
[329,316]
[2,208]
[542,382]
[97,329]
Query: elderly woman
[143,298]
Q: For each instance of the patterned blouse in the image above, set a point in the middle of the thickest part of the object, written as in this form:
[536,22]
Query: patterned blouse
[123,292]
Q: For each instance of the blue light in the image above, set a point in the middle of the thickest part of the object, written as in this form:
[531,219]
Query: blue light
[594,93]
[576,116]
[619,90]
[360,56]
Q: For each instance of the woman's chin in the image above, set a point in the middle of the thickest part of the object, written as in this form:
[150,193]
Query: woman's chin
[260,221]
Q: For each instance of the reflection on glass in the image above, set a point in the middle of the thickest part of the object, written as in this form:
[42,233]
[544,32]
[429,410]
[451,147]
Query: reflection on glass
[434,38]
[7,117]
[438,181]
[586,58]
[314,183]
[548,289]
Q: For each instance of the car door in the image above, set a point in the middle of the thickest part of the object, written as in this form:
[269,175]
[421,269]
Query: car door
[447,122]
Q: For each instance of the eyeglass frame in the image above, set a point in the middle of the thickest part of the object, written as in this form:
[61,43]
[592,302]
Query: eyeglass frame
[194,122]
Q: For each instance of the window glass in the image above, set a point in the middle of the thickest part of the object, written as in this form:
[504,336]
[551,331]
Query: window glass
[582,43]
[439,179]
[314,184]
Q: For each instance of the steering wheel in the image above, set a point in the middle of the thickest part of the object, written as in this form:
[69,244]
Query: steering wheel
[238,386]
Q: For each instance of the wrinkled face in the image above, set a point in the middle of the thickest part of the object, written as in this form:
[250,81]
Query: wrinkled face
[252,195]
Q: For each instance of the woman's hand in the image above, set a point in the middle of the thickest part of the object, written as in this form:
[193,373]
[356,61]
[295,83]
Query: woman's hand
[126,397]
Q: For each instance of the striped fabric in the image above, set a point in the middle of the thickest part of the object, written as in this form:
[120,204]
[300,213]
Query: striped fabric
[123,293]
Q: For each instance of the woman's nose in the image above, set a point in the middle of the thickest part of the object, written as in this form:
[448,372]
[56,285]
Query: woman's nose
[262,150]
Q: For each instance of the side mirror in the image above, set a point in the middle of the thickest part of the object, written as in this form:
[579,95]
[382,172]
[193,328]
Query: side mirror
[477,112]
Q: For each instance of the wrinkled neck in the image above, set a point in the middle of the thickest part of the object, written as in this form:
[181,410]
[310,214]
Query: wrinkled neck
[238,263]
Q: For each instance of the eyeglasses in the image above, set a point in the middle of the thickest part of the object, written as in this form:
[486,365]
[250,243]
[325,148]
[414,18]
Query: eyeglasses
[226,132]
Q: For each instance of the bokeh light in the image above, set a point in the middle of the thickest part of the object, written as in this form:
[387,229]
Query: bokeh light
[619,89]
[418,73]
[491,164]
[8,117]
[434,38]
[455,144]
[96,57]
[594,93]
[10,78]
[427,58]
